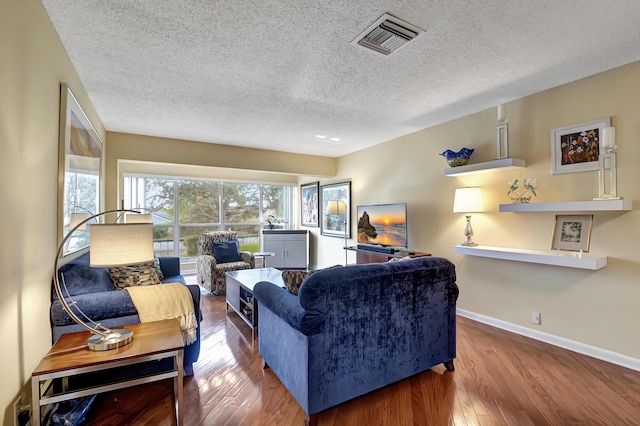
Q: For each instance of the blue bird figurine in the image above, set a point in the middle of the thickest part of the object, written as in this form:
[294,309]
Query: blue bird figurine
[459,158]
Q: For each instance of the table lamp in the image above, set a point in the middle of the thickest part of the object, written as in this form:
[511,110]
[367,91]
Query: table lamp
[468,200]
[114,244]
[339,208]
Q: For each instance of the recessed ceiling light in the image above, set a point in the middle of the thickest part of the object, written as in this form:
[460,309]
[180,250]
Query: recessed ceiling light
[321,136]
[335,139]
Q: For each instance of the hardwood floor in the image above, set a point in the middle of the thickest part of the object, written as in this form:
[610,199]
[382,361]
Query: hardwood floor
[500,379]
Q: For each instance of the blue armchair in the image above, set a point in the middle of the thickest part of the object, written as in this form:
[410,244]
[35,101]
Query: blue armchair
[355,329]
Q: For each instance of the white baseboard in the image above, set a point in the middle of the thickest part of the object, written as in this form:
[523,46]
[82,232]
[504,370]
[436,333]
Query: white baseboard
[572,345]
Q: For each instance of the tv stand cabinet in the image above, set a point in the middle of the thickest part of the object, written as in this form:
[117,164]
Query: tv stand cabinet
[372,256]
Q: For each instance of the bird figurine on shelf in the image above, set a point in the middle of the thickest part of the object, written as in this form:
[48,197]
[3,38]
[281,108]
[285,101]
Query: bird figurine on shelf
[460,158]
[522,196]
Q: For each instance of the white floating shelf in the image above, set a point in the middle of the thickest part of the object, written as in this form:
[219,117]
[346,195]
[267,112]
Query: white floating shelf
[545,257]
[489,166]
[570,206]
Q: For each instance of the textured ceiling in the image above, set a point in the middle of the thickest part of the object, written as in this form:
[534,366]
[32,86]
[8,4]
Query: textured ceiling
[274,74]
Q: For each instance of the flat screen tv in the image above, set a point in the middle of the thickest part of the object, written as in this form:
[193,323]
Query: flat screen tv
[383,225]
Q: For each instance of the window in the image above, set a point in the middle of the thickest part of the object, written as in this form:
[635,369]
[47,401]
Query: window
[182,209]
[80,196]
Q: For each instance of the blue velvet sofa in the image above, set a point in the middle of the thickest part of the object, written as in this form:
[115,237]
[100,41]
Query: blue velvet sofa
[354,329]
[96,295]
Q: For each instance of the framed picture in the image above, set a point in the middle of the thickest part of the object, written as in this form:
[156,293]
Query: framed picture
[336,210]
[309,197]
[572,233]
[576,148]
[80,158]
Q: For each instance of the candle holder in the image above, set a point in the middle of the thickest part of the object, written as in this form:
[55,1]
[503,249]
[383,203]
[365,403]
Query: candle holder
[607,168]
[608,183]
[502,134]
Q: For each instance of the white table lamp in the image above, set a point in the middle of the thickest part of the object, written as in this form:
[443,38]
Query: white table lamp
[468,200]
[114,244]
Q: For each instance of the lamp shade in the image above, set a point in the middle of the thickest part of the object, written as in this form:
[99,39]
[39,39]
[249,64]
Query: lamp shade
[137,218]
[119,244]
[75,219]
[336,207]
[468,200]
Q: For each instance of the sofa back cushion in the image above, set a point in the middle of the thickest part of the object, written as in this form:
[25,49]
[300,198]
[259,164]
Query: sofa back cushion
[81,278]
[358,284]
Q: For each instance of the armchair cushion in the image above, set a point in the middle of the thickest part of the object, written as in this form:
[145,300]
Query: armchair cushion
[209,271]
[227,251]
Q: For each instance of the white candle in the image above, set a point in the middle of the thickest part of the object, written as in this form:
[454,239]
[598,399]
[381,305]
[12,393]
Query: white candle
[501,113]
[608,137]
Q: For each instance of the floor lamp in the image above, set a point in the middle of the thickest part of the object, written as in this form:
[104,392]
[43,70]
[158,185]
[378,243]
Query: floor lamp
[339,208]
[113,244]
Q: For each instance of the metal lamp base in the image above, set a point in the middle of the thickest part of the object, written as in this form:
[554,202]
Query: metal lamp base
[113,340]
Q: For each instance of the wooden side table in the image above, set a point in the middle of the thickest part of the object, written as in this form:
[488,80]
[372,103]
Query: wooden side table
[70,356]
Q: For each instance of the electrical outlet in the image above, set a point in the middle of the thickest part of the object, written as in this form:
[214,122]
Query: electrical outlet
[535,317]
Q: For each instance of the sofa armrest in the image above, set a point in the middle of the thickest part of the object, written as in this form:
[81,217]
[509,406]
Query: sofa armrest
[170,265]
[195,294]
[286,306]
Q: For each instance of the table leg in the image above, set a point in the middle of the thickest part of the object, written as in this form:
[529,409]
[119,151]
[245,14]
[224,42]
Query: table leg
[35,401]
[177,387]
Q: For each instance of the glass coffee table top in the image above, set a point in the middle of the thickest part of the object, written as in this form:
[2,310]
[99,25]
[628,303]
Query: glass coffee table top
[248,278]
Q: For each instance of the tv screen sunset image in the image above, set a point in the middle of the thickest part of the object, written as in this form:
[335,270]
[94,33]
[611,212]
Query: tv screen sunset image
[383,224]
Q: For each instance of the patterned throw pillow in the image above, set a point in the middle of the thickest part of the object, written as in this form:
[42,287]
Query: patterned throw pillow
[134,275]
[293,279]
[155,264]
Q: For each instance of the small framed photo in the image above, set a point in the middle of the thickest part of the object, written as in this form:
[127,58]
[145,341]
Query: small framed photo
[572,233]
[335,206]
[309,195]
[576,148]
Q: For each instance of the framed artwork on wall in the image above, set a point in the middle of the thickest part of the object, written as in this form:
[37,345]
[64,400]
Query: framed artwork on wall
[572,232]
[80,158]
[576,148]
[335,206]
[309,196]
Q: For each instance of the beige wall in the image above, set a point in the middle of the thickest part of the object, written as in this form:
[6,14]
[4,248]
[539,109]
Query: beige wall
[595,308]
[136,153]
[33,65]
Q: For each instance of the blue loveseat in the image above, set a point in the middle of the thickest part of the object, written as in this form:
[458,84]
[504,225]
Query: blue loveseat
[96,295]
[355,329]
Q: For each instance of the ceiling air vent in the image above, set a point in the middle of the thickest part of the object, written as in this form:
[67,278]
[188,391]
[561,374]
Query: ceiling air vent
[387,35]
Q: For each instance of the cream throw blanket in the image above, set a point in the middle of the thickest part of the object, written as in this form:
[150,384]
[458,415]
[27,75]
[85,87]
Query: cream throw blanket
[166,301]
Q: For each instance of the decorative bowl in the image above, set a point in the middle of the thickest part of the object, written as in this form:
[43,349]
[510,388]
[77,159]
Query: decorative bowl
[460,158]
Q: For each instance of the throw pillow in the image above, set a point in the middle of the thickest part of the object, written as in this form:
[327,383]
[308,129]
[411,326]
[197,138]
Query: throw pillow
[398,259]
[226,252]
[155,264]
[134,275]
[293,279]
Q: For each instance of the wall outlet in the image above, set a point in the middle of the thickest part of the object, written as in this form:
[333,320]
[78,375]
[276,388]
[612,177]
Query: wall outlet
[535,317]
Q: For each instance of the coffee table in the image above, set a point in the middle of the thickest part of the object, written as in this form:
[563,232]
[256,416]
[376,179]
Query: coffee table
[70,357]
[240,292]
